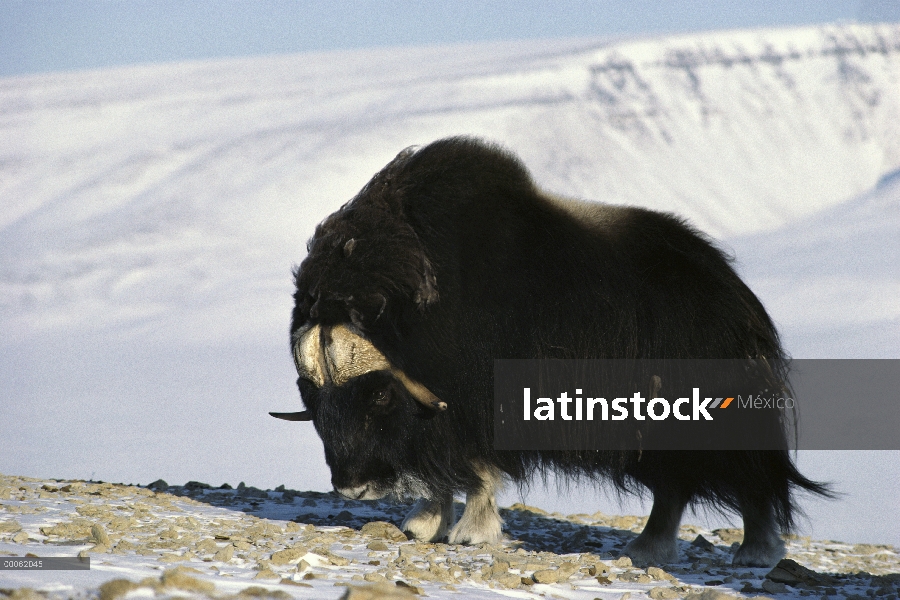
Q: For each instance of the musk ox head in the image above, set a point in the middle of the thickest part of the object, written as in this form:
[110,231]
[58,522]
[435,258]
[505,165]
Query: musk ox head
[362,407]
[365,265]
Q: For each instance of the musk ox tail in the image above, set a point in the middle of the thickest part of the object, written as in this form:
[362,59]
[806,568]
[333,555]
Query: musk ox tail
[765,481]
[785,507]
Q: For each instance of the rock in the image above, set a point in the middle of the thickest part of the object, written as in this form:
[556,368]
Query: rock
[703,543]
[20,538]
[383,530]
[508,580]
[267,574]
[379,591]
[622,561]
[225,554]
[10,526]
[377,545]
[158,486]
[122,523]
[566,570]
[402,585]
[527,509]
[196,485]
[625,522]
[181,578]
[792,573]
[659,574]
[251,492]
[288,555]
[99,535]
[545,576]
[663,593]
[730,535]
[255,591]
[499,567]
[773,587]
[711,595]
[206,546]
[111,590]
[635,576]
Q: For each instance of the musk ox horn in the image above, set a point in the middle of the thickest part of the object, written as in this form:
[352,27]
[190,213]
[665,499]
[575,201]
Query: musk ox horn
[294,416]
[308,355]
[349,355]
[419,391]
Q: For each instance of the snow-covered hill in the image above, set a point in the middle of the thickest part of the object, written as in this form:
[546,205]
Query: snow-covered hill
[150,216]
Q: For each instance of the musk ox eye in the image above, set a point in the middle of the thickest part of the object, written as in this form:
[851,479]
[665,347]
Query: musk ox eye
[380,398]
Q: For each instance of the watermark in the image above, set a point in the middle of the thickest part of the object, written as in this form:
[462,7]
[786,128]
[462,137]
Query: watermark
[740,404]
[45,563]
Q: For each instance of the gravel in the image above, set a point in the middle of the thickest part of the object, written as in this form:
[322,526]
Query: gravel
[197,540]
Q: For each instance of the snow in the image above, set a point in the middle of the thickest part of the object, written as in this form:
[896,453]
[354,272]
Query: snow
[150,217]
[201,541]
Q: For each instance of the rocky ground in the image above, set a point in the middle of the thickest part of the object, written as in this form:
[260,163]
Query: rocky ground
[197,541]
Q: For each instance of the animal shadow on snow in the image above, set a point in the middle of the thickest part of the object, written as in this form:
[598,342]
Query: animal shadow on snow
[524,527]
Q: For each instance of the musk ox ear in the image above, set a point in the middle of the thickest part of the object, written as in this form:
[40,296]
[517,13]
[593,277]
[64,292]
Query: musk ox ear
[427,292]
[294,416]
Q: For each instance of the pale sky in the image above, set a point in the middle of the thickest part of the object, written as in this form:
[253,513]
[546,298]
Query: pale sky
[39,36]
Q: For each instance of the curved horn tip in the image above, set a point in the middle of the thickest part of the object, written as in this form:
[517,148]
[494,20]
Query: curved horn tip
[294,416]
[439,405]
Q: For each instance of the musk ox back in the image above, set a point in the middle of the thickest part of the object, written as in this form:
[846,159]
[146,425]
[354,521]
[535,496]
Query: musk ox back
[449,258]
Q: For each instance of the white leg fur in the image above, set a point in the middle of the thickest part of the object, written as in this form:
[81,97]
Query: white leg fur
[480,521]
[429,520]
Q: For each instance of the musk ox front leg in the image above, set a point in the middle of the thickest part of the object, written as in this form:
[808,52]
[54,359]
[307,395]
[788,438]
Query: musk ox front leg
[480,521]
[430,520]
[656,544]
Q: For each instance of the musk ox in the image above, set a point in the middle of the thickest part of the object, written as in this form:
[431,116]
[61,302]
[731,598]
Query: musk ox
[451,257]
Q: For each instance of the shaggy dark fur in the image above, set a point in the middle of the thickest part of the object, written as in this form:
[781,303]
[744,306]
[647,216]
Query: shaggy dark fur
[451,257]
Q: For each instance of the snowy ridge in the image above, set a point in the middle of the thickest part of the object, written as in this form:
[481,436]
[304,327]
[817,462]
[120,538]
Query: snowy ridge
[221,168]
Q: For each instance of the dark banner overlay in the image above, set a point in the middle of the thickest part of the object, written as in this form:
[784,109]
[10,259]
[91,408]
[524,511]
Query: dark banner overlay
[45,563]
[802,404]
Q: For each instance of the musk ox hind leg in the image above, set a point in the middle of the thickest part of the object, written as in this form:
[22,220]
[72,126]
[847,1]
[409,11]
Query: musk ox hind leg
[430,520]
[762,545]
[480,521]
[656,544]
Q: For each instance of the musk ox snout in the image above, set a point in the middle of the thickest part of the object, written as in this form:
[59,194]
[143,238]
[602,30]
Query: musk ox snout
[365,427]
